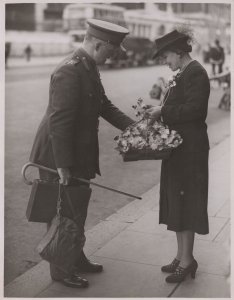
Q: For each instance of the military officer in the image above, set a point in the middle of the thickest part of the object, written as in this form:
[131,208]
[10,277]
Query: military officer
[67,138]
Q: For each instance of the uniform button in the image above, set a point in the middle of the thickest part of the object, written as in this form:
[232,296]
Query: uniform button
[182,193]
[90,95]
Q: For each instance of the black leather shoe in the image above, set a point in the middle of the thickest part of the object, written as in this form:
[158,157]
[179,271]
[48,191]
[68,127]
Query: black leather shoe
[86,266]
[180,273]
[75,281]
[171,267]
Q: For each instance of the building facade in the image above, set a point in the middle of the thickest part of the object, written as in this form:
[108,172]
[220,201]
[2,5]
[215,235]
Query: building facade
[144,19]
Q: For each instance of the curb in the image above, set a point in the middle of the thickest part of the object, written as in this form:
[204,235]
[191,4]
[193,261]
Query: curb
[38,278]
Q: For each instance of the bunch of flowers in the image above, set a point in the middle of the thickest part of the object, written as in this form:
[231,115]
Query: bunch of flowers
[141,136]
[172,81]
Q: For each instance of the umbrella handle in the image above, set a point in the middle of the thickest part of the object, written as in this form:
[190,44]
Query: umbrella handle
[23,172]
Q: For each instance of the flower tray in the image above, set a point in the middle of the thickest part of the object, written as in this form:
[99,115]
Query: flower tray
[146,154]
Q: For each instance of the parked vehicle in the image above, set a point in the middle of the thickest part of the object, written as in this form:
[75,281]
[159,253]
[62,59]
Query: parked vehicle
[138,53]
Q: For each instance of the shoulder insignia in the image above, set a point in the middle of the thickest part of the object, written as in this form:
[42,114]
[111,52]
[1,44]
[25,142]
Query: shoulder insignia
[75,60]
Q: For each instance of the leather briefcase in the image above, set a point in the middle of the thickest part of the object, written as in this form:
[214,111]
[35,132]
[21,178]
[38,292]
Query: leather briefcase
[42,205]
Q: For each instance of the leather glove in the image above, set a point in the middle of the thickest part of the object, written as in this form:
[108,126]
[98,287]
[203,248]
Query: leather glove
[65,175]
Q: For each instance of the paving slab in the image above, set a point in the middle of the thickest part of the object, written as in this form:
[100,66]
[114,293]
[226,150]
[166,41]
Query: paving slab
[38,278]
[225,210]
[216,225]
[213,258]
[222,181]
[158,250]
[149,224]
[223,127]
[119,279]
[140,247]
[216,202]
[223,147]
[204,286]
[225,234]
[132,211]
[101,234]
[221,195]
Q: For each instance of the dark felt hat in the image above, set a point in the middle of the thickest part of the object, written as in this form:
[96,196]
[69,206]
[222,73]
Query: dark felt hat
[106,31]
[168,40]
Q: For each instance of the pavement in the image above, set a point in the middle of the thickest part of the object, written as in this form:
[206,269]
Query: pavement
[35,61]
[132,247]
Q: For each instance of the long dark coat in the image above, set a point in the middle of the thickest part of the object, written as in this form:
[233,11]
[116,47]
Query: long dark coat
[184,176]
[68,133]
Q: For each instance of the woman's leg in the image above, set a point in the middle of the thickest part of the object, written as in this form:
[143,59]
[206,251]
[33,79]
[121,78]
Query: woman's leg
[187,237]
[187,265]
[170,268]
[179,246]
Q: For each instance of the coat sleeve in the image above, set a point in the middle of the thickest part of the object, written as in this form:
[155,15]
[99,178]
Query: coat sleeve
[113,115]
[196,94]
[65,91]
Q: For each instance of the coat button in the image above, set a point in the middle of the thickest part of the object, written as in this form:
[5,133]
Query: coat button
[182,193]
[90,95]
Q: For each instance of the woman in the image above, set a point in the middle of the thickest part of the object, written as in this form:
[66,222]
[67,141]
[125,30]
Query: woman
[184,176]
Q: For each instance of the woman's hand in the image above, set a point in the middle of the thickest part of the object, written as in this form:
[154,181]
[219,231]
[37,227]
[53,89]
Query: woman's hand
[153,113]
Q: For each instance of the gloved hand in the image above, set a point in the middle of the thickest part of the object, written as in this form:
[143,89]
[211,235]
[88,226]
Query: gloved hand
[65,175]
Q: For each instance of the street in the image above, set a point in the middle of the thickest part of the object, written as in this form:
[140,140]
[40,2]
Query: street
[25,103]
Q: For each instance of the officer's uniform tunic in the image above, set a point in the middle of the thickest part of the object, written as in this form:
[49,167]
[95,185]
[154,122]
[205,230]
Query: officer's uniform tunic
[68,134]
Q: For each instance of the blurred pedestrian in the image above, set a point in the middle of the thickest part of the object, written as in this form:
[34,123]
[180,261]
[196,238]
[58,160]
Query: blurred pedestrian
[206,53]
[184,176]
[217,57]
[67,138]
[7,52]
[28,52]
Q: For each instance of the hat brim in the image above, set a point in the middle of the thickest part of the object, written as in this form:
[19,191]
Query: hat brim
[157,53]
[166,46]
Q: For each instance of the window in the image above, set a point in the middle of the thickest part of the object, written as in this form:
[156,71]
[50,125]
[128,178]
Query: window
[161,30]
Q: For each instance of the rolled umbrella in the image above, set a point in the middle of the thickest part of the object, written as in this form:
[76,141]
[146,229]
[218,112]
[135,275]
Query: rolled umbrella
[29,182]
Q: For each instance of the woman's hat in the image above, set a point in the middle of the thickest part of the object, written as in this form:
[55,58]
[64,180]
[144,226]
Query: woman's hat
[168,40]
[108,32]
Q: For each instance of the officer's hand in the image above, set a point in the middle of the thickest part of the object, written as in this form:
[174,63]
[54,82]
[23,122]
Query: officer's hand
[65,175]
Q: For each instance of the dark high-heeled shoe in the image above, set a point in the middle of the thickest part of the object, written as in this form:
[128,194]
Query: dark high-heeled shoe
[171,267]
[180,273]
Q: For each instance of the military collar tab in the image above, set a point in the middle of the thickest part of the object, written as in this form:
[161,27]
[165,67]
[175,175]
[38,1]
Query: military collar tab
[85,62]
[88,61]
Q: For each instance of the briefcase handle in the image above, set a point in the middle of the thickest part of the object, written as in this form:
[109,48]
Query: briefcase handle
[29,182]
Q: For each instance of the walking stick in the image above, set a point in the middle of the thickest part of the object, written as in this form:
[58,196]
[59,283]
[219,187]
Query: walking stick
[76,178]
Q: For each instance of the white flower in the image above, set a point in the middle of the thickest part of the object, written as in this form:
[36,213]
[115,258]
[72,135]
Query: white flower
[164,136]
[154,146]
[142,126]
